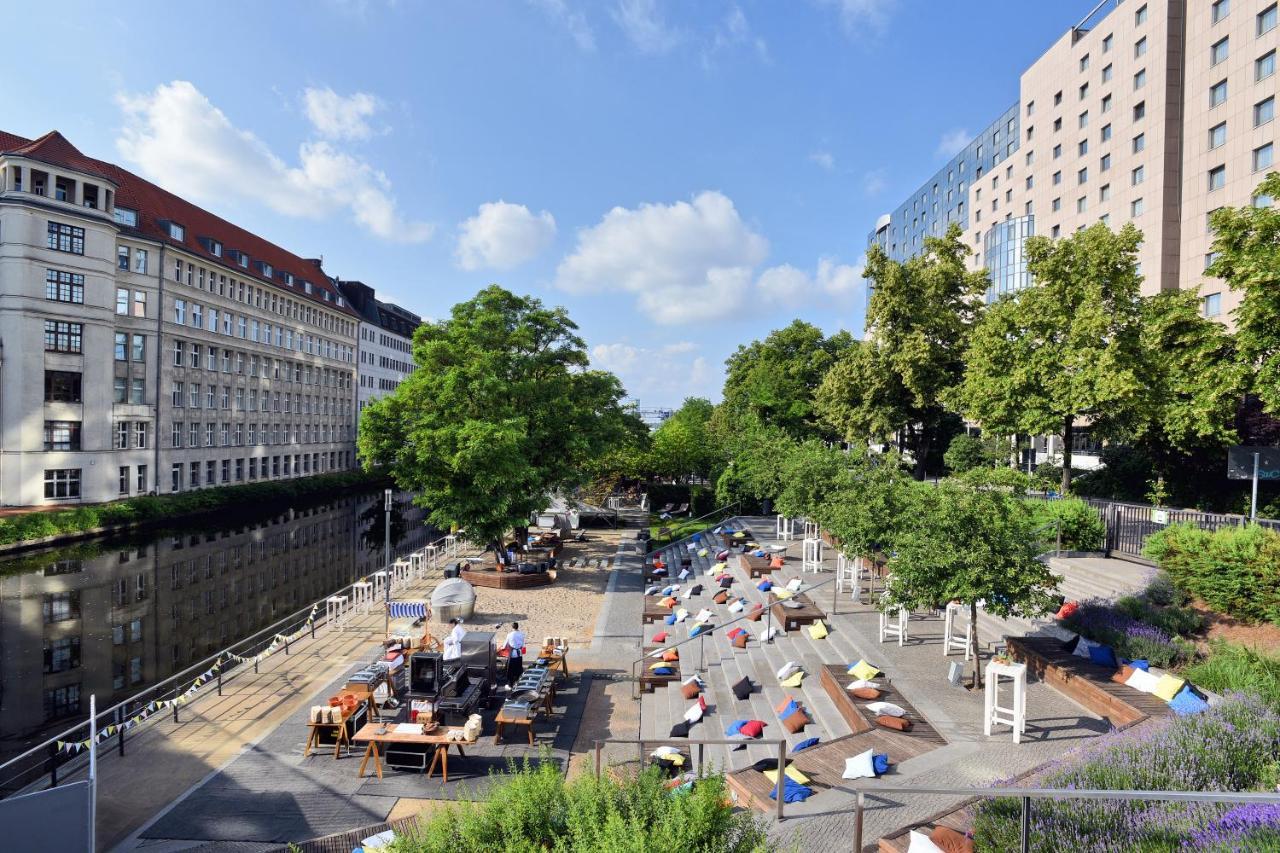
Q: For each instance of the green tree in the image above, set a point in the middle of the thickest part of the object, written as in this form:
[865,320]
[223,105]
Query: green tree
[967,452]
[919,319]
[1247,243]
[970,545]
[869,505]
[1065,349]
[775,379]
[684,445]
[501,412]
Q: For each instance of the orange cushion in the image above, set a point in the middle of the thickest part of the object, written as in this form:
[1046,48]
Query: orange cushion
[1122,675]
[896,723]
[670,655]
[868,693]
[786,700]
[721,597]
[690,690]
[755,615]
[951,841]
[777,562]
[796,721]
[740,641]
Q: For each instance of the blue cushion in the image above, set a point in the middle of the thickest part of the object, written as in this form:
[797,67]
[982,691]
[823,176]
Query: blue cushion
[791,708]
[760,553]
[698,629]
[697,537]
[734,727]
[664,670]
[792,791]
[805,744]
[1140,664]
[1187,701]
[1103,656]
[670,620]
[764,586]
[880,763]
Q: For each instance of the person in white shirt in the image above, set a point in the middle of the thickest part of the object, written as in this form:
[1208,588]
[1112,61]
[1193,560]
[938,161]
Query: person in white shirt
[514,644]
[453,642]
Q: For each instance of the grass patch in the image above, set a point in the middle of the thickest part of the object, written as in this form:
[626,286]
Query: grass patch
[680,528]
[1233,667]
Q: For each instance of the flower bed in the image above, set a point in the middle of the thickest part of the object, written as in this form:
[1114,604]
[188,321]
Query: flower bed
[1134,639]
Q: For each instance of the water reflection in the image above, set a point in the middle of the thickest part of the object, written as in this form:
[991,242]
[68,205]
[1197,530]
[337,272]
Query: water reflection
[113,616]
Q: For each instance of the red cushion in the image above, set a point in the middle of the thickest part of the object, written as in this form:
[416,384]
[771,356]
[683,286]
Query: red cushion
[752,728]
[660,637]
[702,702]
[1067,610]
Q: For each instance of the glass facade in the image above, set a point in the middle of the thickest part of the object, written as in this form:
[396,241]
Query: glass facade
[1006,262]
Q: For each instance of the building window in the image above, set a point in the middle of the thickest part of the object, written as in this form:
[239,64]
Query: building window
[1219,51]
[122,300]
[61,483]
[62,655]
[1219,10]
[1140,79]
[125,216]
[1263,157]
[140,435]
[1140,47]
[1218,93]
[1107,42]
[1082,176]
[1106,133]
[121,346]
[1083,120]
[122,258]
[180,312]
[61,435]
[62,337]
[176,440]
[66,238]
[1217,178]
[138,348]
[1140,16]
[1217,135]
[1137,207]
[1212,304]
[1084,91]
[177,232]
[61,386]
[1057,151]
[1106,103]
[1057,126]
[1107,73]
[120,389]
[63,287]
[1082,148]
[1082,204]
[124,479]
[1140,111]
[62,702]
[1031,107]
[1139,143]
[175,477]
[1267,19]
[1056,205]
[1264,111]
[140,261]
[1264,66]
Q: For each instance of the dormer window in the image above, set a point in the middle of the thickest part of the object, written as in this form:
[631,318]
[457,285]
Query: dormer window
[306,287]
[125,216]
[242,259]
[177,232]
[288,277]
[215,248]
[341,302]
[266,268]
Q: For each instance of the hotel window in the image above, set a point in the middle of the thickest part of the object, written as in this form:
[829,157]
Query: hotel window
[1106,133]
[1220,9]
[1267,19]
[1057,205]
[1057,151]
[1140,79]
[1057,124]
[1082,147]
[62,337]
[1082,176]
[1055,232]
[1212,304]
[1263,157]
[1057,98]
[1106,73]
[1264,66]
[1137,207]
[1140,47]
[1140,16]
[1217,178]
[1217,93]
[1107,42]
[1031,107]
[1081,204]
[66,238]
[1217,135]
[62,435]
[61,483]
[1139,142]
[1104,192]
[1140,111]
[1264,111]
[1219,51]
[63,287]
[1083,120]
[1106,103]
[1084,91]
[1084,62]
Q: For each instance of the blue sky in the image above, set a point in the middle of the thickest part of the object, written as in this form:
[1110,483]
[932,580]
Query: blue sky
[682,176]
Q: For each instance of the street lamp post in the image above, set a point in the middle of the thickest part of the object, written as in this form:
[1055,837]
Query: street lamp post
[386,530]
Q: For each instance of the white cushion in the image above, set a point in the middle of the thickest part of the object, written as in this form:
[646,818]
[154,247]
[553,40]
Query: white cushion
[1082,648]
[771,633]
[651,590]
[692,546]
[1143,680]
[794,584]
[664,750]
[861,766]
[693,679]
[921,843]
[860,683]
[377,842]
[886,708]
[682,615]
[684,573]
[688,593]
[737,606]
[704,615]
[787,669]
[693,714]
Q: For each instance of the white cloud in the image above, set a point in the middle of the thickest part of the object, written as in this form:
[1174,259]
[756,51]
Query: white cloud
[683,262]
[825,159]
[503,236]
[953,142]
[659,376]
[732,31]
[862,17]
[176,137]
[573,21]
[340,117]
[643,23]
[787,285]
[874,182]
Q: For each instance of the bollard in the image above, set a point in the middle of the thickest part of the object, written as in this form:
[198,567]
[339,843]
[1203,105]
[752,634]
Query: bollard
[859,804]
[599,749]
[120,729]
[175,708]
[219,681]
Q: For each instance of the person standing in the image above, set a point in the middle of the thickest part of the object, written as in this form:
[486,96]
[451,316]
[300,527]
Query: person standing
[453,642]
[514,644]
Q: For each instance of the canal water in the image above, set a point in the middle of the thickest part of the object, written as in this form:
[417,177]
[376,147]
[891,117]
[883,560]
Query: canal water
[112,616]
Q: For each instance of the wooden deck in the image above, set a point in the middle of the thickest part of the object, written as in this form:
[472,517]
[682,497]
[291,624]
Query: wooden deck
[653,611]
[834,677]
[824,764]
[1085,682]
[649,681]
[792,619]
[754,566]
[491,579]
[961,820]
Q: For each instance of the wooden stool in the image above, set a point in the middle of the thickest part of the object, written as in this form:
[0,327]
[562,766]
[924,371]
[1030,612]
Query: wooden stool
[993,713]
[503,720]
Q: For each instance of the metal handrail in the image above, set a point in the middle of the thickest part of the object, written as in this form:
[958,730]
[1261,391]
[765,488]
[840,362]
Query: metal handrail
[1029,794]
[119,710]
[781,743]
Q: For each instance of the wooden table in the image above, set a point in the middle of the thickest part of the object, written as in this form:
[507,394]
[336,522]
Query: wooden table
[557,661]
[369,734]
[793,618]
[503,720]
[363,696]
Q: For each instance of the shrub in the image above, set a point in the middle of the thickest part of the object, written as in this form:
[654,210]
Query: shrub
[1174,621]
[533,808]
[1232,747]
[1233,667]
[965,453]
[1106,623]
[1082,527]
[1235,570]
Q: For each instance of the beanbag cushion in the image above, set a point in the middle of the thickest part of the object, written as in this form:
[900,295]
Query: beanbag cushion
[1140,664]
[722,556]
[671,655]
[669,620]
[660,637]
[684,573]
[1103,656]
[781,594]
[793,680]
[702,552]
[1082,649]
[653,590]
[1067,610]
[1122,674]
[664,669]
[817,630]
[863,671]
[794,584]
[786,706]
[887,708]
[881,763]
[1168,686]
[742,688]
[792,791]
[721,597]
[765,585]
[756,613]
[671,590]
[921,843]
[899,724]
[668,602]
[759,552]
[654,667]
[771,633]
[795,721]
[949,840]
[680,729]
[735,728]
[737,606]
[786,670]
[792,773]
[690,690]
[861,682]
[704,615]
[696,589]
[867,694]
[702,703]
[776,562]
[752,728]
[735,632]
[1187,701]
[681,615]
[860,766]
[1140,679]
[699,628]
[694,713]
[805,744]
[725,583]
[740,641]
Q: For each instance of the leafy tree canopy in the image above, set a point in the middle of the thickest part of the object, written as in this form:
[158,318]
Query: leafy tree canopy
[501,412]
[685,445]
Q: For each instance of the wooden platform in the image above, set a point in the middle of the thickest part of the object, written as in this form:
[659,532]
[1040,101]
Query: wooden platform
[505,580]
[794,618]
[649,681]
[834,677]
[961,820]
[1085,682]
[655,612]
[824,764]
[754,566]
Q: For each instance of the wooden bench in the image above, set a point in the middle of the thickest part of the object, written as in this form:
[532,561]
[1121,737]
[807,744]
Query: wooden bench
[655,612]
[835,678]
[754,566]
[1086,682]
[648,680]
[491,579]
[794,618]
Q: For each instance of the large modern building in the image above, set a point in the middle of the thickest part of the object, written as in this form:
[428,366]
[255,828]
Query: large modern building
[386,342]
[147,345]
[1155,112]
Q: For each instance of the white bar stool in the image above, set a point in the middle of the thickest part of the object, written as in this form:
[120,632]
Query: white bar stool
[785,528]
[952,640]
[431,553]
[335,610]
[812,559]
[361,596]
[811,530]
[847,576]
[450,546]
[996,715]
[894,627]
[401,570]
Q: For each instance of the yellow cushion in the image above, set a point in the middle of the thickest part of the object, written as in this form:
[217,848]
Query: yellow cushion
[677,759]
[781,593]
[1168,686]
[661,664]
[794,679]
[792,773]
[863,671]
[739,535]
[702,552]
[818,630]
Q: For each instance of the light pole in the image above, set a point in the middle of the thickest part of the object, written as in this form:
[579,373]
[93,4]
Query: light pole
[386,531]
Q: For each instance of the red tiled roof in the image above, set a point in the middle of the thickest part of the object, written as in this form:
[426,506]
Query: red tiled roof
[156,205]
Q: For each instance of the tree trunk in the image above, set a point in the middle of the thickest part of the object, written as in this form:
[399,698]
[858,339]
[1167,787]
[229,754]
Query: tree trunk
[1068,429]
[973,645]
[923,444]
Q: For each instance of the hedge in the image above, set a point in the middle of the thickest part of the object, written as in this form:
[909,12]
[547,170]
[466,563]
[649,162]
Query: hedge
[1235,570]
[81,519]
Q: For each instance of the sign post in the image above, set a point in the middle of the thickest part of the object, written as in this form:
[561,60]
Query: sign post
[1253,463]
